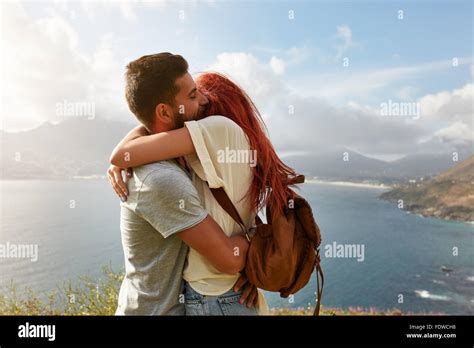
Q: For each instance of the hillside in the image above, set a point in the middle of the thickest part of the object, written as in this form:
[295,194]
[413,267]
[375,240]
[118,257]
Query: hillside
[81,147]
[75,147]
[91,299]
[449,195]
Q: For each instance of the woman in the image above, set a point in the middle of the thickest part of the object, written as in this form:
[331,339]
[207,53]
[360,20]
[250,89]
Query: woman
[230,151]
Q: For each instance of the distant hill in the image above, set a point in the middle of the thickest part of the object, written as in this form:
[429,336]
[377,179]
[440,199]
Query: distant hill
[449,195]
[81,147]
[74,147]
[330,165]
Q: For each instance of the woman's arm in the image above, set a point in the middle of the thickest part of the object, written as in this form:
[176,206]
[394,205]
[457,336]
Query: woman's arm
[138,148]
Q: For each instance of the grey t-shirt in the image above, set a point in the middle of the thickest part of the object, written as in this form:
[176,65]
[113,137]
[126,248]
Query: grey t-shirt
[162,201]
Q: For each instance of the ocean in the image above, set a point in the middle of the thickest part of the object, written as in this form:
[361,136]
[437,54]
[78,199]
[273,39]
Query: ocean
[374,255]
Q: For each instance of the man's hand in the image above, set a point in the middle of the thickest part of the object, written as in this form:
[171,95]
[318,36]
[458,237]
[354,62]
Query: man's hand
[115,176]
[250,291]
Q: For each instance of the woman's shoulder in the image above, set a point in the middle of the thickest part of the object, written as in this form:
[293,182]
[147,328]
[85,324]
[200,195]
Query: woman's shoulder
[220,121]
[220,128]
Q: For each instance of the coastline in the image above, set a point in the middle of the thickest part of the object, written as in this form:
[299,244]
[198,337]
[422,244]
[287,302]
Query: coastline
[431,212]
[347,184]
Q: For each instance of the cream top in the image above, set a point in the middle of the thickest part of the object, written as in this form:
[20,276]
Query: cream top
[223,158]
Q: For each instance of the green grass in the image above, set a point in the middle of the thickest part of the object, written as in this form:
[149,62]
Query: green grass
[351,311]
[88,298]
[84,298]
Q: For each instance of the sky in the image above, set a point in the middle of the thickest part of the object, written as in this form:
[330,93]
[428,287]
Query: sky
[322,73]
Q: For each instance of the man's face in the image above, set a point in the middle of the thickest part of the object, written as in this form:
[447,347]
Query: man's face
[190,103]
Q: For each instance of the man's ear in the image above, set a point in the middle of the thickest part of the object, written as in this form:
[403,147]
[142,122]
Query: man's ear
[164,113]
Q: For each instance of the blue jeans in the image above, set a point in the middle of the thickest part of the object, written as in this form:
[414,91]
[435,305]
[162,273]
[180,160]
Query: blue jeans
[225,304]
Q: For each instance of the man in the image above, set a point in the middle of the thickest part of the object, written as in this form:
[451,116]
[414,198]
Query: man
[163,214]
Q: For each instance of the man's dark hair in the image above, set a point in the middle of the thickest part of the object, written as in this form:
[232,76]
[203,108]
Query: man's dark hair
[151,80]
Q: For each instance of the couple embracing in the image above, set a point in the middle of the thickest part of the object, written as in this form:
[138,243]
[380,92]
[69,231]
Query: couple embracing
[184,254]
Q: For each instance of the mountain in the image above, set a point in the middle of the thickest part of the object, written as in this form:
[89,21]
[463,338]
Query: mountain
[77,146]
[449,195]
[331,165]
[427,164]
[340,164]
[81,147]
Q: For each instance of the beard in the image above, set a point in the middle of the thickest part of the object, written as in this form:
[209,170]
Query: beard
[178,120]
[203,111]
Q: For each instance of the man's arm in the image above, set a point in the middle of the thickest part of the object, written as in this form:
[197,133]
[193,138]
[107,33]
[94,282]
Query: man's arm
[226,254]
[171,204]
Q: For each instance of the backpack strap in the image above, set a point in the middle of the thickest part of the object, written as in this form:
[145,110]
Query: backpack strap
[224,201]
[319,273]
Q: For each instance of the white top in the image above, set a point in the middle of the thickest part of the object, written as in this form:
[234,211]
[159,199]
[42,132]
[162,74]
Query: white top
[223,158]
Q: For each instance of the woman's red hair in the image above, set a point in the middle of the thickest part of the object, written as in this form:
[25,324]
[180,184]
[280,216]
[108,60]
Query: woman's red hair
[270,177]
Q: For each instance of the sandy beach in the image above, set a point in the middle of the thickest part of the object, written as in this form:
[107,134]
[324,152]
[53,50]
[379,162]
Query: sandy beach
[347,183]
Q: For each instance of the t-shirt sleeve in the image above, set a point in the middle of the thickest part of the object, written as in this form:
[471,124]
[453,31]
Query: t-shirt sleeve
[214,138]
[169,202]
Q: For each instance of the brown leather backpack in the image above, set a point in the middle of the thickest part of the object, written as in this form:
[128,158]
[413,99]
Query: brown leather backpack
[284,251]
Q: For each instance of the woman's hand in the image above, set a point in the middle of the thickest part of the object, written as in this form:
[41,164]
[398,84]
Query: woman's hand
[119,185]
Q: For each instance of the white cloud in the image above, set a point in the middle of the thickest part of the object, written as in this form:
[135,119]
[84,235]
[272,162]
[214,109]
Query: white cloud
[454,109]
[344,35]
[396,56]
[126,8]
[43,66]
[457,133]
[291,56]
[297,55]
[406,93]
[251,74]
[318,125]
[364,83]
[452,106]
[277,65]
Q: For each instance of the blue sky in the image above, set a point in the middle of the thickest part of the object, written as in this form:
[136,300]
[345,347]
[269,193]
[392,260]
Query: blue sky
[269,54]
[430,31]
